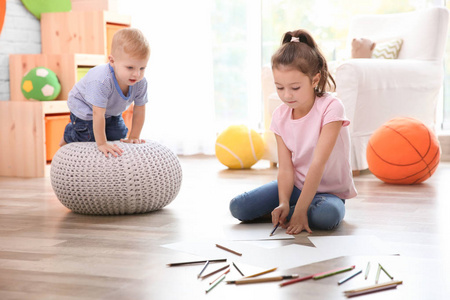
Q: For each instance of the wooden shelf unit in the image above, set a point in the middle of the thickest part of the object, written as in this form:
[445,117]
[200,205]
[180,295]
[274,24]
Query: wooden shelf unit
[80,31]
[69,40]
[64,65]
[22,134]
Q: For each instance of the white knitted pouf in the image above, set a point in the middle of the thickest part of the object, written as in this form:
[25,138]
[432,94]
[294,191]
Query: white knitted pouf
[145,178]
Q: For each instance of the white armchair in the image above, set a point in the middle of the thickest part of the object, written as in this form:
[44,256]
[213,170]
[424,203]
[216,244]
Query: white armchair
[376,90]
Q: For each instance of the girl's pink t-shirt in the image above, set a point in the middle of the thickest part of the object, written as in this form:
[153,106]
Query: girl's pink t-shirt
[301,136]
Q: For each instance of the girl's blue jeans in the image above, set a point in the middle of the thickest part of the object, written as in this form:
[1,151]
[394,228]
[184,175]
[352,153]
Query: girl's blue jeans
[325,212]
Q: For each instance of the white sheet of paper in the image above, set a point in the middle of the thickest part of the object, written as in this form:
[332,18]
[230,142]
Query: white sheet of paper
[285,256]
[254,232]
[352,245]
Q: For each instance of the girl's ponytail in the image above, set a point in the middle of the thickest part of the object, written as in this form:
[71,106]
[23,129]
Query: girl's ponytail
[300,51]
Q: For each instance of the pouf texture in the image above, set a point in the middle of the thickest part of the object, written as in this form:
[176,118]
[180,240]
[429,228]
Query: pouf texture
[146,177]
[403,151]
[239,147]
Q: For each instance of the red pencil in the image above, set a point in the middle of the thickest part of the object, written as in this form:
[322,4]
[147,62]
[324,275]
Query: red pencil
[296,280]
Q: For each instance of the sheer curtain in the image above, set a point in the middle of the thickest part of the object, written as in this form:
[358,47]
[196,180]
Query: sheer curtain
[180,112]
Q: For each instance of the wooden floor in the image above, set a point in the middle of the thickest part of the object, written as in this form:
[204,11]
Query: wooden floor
[47,252]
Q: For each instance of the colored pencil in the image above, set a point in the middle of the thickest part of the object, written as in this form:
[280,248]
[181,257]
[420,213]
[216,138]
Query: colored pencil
[262,279]
[204,268]
[215,284]
[367,271]
[296,280]
[274,229]
[384,270]
[349,277]
[317,276]
[228,249]
[261,273]
[332,272]
[378,273]
[372,288]
[238,269]
[226,272]
[214,272]
[195,262]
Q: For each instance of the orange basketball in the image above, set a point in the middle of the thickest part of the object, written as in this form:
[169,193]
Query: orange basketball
[403,151]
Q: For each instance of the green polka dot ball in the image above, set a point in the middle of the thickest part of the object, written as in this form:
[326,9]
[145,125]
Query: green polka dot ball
[40,84]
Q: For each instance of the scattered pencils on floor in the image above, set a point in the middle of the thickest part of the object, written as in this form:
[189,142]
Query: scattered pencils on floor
[291,278]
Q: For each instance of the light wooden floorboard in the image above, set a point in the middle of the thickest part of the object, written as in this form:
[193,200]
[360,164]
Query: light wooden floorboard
[48,252]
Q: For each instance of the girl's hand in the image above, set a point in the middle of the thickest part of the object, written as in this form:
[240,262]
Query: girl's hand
[279,215]
[133,141]
[108,148]
[298,223]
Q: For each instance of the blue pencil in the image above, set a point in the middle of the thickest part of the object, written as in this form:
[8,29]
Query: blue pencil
[204,268]
[349,277]
[275,228]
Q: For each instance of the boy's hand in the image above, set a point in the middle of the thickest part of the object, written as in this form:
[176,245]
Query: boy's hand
[108,148]
[133,141]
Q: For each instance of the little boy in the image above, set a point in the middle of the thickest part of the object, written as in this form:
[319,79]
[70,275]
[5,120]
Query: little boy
[98,100]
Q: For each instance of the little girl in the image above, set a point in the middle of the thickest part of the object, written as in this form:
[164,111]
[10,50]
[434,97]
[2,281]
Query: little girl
[314,175]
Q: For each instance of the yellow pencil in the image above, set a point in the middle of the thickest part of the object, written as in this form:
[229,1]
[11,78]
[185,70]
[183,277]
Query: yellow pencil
[261,273]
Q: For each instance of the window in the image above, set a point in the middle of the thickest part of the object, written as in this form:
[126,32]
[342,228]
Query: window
[235,27]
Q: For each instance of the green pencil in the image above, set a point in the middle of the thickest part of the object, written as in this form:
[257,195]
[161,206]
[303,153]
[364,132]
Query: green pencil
[384,270]
[332,272]
[215,284]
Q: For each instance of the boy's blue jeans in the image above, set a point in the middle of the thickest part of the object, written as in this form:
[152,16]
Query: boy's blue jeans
[79,130]
[325,212]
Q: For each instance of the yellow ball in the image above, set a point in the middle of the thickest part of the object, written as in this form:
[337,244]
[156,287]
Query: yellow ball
[239,147]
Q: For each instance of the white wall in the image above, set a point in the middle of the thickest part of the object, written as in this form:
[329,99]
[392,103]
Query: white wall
[21,33]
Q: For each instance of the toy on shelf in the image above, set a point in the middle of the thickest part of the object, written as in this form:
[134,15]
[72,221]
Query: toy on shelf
[40,84]
[36,7]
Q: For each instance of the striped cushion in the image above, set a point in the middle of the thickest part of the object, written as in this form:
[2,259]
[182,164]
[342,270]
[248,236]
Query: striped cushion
[388,49]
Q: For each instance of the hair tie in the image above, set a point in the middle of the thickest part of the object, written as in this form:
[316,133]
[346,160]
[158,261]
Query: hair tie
[295,39]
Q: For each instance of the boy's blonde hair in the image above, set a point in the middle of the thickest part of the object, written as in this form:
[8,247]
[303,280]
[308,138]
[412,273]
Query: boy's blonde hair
[132,42]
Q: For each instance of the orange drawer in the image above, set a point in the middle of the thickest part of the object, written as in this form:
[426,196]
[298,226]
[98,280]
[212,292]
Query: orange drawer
[54,131]
[112,28]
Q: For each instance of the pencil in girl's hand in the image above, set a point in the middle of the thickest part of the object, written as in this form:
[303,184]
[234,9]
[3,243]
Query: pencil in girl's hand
[274,229]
